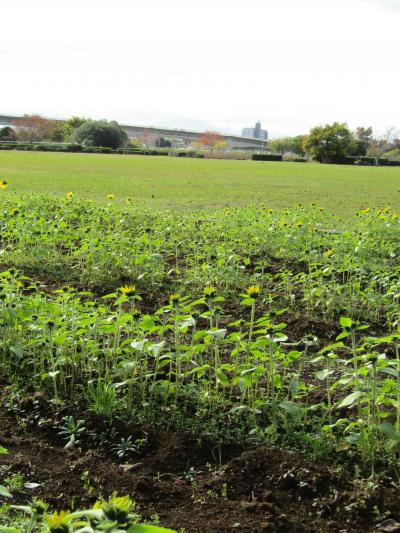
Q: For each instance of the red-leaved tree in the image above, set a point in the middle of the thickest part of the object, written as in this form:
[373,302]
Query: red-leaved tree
[209,139]
[33,128]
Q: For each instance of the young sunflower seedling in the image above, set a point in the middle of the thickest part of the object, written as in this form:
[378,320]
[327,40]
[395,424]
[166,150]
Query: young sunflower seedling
[72,430]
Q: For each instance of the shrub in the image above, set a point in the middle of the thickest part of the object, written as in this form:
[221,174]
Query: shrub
[294,158]
[371,161]
[100,133]
[128,150]
[266,157]
[74,148]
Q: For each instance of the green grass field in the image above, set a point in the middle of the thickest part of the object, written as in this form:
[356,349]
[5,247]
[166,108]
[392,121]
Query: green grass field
[164,182]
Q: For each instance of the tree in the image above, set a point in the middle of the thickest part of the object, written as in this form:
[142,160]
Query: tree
[330,143]
[69,126]
[222,146]
[56,133]
[393,154]
[364,134]
[284,145]
[163,143]
[363,139]
[386,142]
[390,135]
[147,139]
[33,128]
[7,134]
[209,139]
[100,133]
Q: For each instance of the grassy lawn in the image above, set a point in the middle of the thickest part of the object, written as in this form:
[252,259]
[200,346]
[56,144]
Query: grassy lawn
[164,182]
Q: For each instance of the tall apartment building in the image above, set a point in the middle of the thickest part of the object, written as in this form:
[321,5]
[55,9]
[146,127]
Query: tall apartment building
[256,132]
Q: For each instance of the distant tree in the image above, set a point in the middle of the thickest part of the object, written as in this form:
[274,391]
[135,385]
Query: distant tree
[285,145]
[163,143]
[377,148]
[209,139]
[221,146]
[386,142]
[7,134]
[69,126]
[100,133]
[330,143]
[393,154]
[364,134]
[147,139]
[56,133]
[133,143]
[33,128]
[279,146]
[296,145]
[363,139]
[390,135]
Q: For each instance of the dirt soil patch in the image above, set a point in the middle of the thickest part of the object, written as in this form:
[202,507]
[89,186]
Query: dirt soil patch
[261,489]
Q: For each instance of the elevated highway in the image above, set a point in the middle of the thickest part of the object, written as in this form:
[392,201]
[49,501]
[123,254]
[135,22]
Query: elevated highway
[187,136]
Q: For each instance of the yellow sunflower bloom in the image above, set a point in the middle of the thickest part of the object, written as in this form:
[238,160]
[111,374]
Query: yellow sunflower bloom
[253,291]
[128,290]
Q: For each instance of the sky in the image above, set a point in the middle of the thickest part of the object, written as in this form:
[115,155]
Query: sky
[214,64]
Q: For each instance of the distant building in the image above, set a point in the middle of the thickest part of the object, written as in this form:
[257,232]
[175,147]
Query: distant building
[256,132]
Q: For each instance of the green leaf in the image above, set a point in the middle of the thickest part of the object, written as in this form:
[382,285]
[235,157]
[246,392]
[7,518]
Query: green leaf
[60,340]
[346,322]
[317,359]
[390,431]
[3,450]
[350,399]
[388,370]
[332,347]
[16,350]
[323,374]
[138,345]
[338,423]
[222,378]
[290,407]
[218,333]
[148,529]
[5,492]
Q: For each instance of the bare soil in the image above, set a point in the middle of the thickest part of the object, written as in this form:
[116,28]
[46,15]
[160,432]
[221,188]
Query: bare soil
[178,477]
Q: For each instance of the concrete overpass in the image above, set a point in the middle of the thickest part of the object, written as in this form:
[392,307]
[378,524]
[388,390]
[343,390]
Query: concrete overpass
[187,136]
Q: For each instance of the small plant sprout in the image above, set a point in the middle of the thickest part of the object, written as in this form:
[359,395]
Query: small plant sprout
[125,447]
[72,430]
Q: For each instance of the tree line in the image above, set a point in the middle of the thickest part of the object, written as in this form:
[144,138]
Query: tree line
[34,128]
[331,143]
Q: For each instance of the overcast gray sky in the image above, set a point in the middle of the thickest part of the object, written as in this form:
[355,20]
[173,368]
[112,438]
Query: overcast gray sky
[223,63]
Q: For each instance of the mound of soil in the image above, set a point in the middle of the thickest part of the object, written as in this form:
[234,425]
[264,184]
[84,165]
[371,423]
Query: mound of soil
[262,489]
